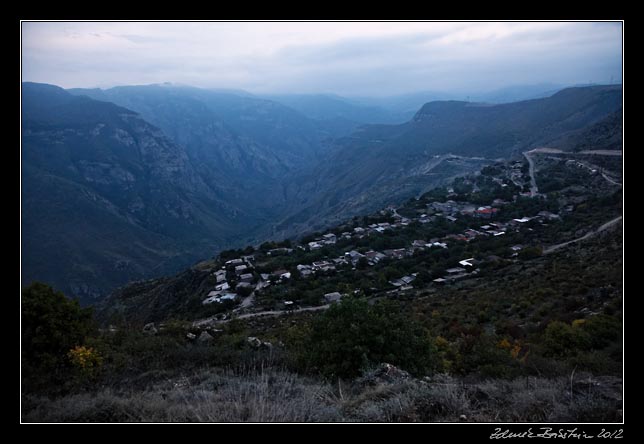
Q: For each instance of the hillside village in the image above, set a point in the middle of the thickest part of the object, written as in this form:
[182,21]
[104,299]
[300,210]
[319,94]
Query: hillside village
[487,284]
[283,221]
[480,221]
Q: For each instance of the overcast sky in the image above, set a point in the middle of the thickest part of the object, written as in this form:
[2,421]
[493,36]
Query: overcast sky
[347,58]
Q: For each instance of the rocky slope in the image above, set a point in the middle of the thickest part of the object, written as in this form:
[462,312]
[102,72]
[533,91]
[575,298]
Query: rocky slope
[106,197]
[383,163]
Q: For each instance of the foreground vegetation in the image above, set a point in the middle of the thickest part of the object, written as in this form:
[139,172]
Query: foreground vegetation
[275,395]
[528,337]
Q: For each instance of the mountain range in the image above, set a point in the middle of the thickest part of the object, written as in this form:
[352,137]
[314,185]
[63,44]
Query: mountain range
[139,181]
[382,164]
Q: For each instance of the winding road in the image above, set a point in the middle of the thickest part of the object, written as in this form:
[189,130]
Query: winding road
[610,180]
[533,183]
[213,320]
[603,227]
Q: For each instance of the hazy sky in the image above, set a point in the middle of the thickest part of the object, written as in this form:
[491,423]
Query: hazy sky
[348,58]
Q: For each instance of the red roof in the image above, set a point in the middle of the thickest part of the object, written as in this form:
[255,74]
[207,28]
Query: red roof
[487,210]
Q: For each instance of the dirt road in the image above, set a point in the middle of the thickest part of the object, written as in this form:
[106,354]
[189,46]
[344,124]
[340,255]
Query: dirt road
[213,320]
[603,227]
[610,180]
[533,183]
[602,152]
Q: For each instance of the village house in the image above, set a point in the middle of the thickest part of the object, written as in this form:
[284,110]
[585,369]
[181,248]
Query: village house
[279,251]
[340,260]
[314,245]
[405,280]
[332,297]
[329,238]
[222,287]
[425,218]
[234,262]
[354,256]
[396,254]
[455,270]
[374,256]
[318,265]
[419,244]
[485,212]
[408,279]
[247,277]
[548,215]
[240,269]
[281,274]
[468,262]
[220,298]
[220,276]
[471,234]
[323,266]
[522,220]
[210,300]
[306,273]
[468,210]
[450,207]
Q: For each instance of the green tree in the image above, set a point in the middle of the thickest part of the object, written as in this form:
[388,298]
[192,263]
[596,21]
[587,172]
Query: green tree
[363,263]
[602,330]
[52,325]
[563,340]
[353,335]
[530,253]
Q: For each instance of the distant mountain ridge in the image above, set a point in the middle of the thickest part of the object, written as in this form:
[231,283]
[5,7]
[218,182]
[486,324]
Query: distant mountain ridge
[133,182]
[329,107]
[380,163]
[109,196]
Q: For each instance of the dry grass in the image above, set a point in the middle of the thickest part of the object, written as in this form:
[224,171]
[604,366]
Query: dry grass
[264,396]
[272,395]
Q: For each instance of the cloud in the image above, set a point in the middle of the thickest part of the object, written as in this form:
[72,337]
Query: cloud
[367,58]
